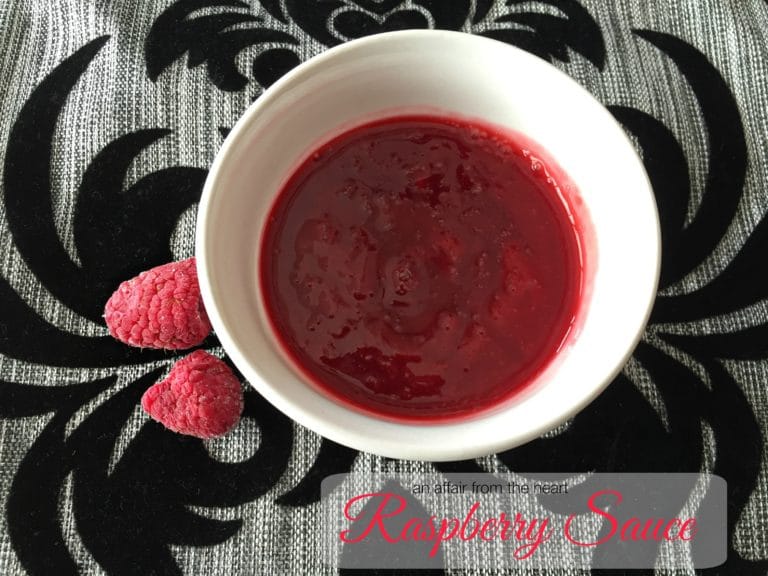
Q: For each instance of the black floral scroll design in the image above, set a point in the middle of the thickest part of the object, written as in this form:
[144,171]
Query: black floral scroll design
[216,39]
[621,431]
[334,21]
[127,517]
[117,232]
[128,512]
[214,32]
[523,24]
[35,530]
[686,247]
[122,216]
[546,35]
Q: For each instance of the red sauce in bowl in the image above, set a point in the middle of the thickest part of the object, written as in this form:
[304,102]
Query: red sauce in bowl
[422,268]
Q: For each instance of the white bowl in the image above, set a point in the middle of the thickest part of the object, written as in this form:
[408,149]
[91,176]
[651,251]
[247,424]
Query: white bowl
[472,77]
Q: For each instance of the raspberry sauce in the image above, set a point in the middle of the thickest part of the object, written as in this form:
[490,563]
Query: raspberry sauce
[422,267]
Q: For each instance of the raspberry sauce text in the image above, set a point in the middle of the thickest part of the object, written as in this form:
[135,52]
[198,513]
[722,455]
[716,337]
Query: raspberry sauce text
[422,267]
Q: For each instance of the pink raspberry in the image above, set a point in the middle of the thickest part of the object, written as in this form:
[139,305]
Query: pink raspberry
[200,397]
[159,308]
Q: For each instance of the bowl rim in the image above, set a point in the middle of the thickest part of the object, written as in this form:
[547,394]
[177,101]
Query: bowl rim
[334,430]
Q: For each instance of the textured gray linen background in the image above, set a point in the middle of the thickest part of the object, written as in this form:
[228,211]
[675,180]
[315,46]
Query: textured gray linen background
[115,96]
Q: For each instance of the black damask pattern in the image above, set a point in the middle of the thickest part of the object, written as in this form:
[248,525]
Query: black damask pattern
[126,517]
[686,247]
[117,233]
[217,38]
[334,21]
[214,40]
[129,515]
[550,36]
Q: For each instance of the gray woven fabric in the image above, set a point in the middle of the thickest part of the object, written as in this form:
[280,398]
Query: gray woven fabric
[115,95]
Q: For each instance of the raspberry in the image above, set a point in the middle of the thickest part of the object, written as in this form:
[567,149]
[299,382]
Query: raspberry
[159,308]
[200,397]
